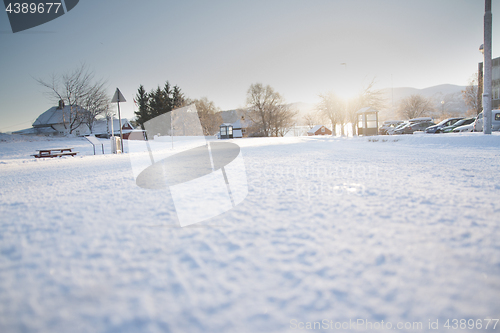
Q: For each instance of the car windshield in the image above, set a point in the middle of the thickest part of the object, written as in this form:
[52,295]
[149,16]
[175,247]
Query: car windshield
[460,122]
[450,121]
[465,121]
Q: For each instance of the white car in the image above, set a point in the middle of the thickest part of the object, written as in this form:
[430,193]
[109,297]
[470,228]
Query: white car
[464,128]
[495,121]
[389,126]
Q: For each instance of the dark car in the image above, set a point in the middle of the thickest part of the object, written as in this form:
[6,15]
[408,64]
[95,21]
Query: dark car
[438,128]
[413,127]
[465,121]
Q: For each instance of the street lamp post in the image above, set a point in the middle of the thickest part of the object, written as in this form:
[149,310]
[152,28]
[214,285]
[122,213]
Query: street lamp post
[487,69]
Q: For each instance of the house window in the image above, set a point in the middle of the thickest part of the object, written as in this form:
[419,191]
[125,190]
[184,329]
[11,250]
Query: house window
[230,130]
[322,129]
[223,130]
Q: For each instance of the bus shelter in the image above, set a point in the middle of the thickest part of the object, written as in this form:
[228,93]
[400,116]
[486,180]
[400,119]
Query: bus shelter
[367,121]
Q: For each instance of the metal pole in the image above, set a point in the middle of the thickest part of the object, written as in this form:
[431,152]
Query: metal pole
[120,120]
[487,69]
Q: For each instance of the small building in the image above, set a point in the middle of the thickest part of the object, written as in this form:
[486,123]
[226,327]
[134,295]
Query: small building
[240,121]
[367,121]
[319,130]
[230,131]
[102,128]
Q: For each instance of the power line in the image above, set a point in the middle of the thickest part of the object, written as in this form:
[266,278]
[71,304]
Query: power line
[25,122]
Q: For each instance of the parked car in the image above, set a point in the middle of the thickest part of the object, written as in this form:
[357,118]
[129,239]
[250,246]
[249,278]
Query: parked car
[413,127]
[420,119]
[390,131]
[495,121]
[389,125]
[409,122]
[464,128]
[438,128]
[465,121]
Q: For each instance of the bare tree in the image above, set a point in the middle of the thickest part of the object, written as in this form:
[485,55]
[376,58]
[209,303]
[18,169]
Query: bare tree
[310,120]
[333,108]
[85,98]
[470,96]
[209,115]
[96,102]
[267,110]
[415,106]
[283,120]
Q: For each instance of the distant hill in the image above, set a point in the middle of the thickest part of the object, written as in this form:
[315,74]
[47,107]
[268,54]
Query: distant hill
[449,93]
[435,91]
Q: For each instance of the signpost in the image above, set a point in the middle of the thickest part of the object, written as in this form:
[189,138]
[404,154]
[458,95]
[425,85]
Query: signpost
[117,98]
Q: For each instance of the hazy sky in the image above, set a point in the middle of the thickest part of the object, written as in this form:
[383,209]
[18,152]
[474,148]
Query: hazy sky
[218,48]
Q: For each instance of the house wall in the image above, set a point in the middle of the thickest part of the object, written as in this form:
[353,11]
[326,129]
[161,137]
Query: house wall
[80,130]
[320,132]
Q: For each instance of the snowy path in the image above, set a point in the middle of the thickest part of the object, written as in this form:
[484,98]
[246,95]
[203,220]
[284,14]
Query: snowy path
[335,229]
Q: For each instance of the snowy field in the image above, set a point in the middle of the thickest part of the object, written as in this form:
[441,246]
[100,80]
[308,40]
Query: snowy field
[334,231]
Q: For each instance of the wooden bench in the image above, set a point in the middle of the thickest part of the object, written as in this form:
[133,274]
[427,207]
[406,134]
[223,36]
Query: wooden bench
[54,152]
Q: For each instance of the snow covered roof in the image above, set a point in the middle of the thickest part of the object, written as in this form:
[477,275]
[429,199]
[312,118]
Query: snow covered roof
[231,116]
[238,118]
[367,109]
[315,129]
[237,124]
[54,116]
[37,131]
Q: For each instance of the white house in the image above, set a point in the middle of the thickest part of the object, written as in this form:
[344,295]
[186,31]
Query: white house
[53,121]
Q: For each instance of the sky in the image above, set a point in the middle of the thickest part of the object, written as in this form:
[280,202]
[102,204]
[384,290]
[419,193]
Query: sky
[217,49]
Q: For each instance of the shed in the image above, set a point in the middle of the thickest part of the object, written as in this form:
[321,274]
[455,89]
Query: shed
[319,130]
[367,121]
[226,131]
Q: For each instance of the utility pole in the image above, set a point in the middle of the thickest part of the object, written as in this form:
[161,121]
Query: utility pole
[487,69]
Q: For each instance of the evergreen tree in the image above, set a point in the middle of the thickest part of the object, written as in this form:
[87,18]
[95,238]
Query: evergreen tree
[178,99]
[142,100]
[157,102]
[167,93]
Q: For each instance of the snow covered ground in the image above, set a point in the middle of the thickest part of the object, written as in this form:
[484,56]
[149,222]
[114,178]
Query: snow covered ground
[399,229]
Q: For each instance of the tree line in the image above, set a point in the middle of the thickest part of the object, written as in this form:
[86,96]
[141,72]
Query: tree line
[157,102]
[266,109]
